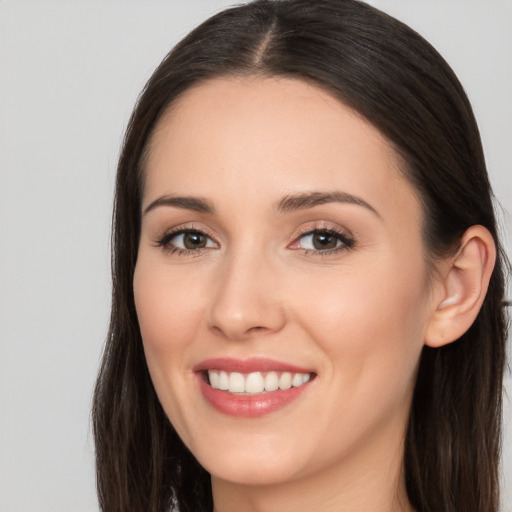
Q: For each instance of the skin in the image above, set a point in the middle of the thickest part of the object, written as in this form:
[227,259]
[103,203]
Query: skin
[357,317]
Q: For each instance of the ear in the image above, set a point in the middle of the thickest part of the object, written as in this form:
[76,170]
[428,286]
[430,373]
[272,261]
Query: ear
[460,291]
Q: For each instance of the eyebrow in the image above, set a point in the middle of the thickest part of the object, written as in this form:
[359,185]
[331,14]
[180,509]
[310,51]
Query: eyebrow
[197,204]
[310,199]
[288,203]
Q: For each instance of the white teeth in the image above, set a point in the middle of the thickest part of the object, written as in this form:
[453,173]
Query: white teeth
[271,381]
[223,381]
[285,381]
[297,380]
[214,379]
[255,382]
[236,383]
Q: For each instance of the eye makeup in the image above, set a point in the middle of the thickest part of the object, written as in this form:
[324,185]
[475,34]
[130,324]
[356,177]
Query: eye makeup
[321,240]
[183,241]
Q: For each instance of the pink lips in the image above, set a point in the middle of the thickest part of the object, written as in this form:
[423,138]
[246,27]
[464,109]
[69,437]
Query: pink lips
[248,406]
[248,365]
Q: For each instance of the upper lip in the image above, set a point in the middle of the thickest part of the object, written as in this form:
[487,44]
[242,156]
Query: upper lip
[254,364]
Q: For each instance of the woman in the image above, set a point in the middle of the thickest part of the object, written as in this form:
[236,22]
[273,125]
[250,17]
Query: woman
[308,284]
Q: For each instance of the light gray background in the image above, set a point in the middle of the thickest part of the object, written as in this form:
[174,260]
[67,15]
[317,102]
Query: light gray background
[69,74]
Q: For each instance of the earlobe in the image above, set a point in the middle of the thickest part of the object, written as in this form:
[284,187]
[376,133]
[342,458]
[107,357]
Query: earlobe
[463,286]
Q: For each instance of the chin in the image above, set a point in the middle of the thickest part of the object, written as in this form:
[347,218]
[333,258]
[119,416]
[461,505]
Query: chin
[248,473]
[252,462]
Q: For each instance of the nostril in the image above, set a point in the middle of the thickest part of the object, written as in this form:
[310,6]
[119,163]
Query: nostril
[240,333]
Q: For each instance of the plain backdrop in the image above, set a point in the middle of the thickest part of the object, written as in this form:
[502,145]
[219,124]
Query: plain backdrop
[70,72]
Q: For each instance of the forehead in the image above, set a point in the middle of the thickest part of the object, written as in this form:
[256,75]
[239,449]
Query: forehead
[255,139]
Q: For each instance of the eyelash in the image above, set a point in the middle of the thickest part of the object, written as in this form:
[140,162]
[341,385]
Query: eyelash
[347,241]
[164,242]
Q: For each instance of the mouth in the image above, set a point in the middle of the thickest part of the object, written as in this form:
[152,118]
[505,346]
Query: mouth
[251,388]
[255,383]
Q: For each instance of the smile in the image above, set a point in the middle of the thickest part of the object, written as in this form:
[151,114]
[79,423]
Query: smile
[255,382]
[251,388]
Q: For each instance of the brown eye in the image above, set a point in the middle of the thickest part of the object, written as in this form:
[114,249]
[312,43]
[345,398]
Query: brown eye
[322,241]
[186,240]
[194,240]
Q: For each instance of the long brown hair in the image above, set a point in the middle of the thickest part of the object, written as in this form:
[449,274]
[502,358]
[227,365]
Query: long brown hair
[396,80]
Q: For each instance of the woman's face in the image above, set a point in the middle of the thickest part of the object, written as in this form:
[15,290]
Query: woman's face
[281,258]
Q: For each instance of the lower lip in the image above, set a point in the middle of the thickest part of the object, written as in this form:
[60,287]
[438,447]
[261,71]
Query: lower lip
[249,406]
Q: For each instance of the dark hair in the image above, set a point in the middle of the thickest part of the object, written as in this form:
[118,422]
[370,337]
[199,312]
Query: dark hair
[395,79]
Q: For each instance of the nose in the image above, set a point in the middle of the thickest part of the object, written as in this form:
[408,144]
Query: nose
[246,302]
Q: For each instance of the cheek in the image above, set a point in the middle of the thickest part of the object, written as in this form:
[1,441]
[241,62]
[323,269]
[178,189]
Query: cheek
[162,303]
[370,322]
[168,312]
